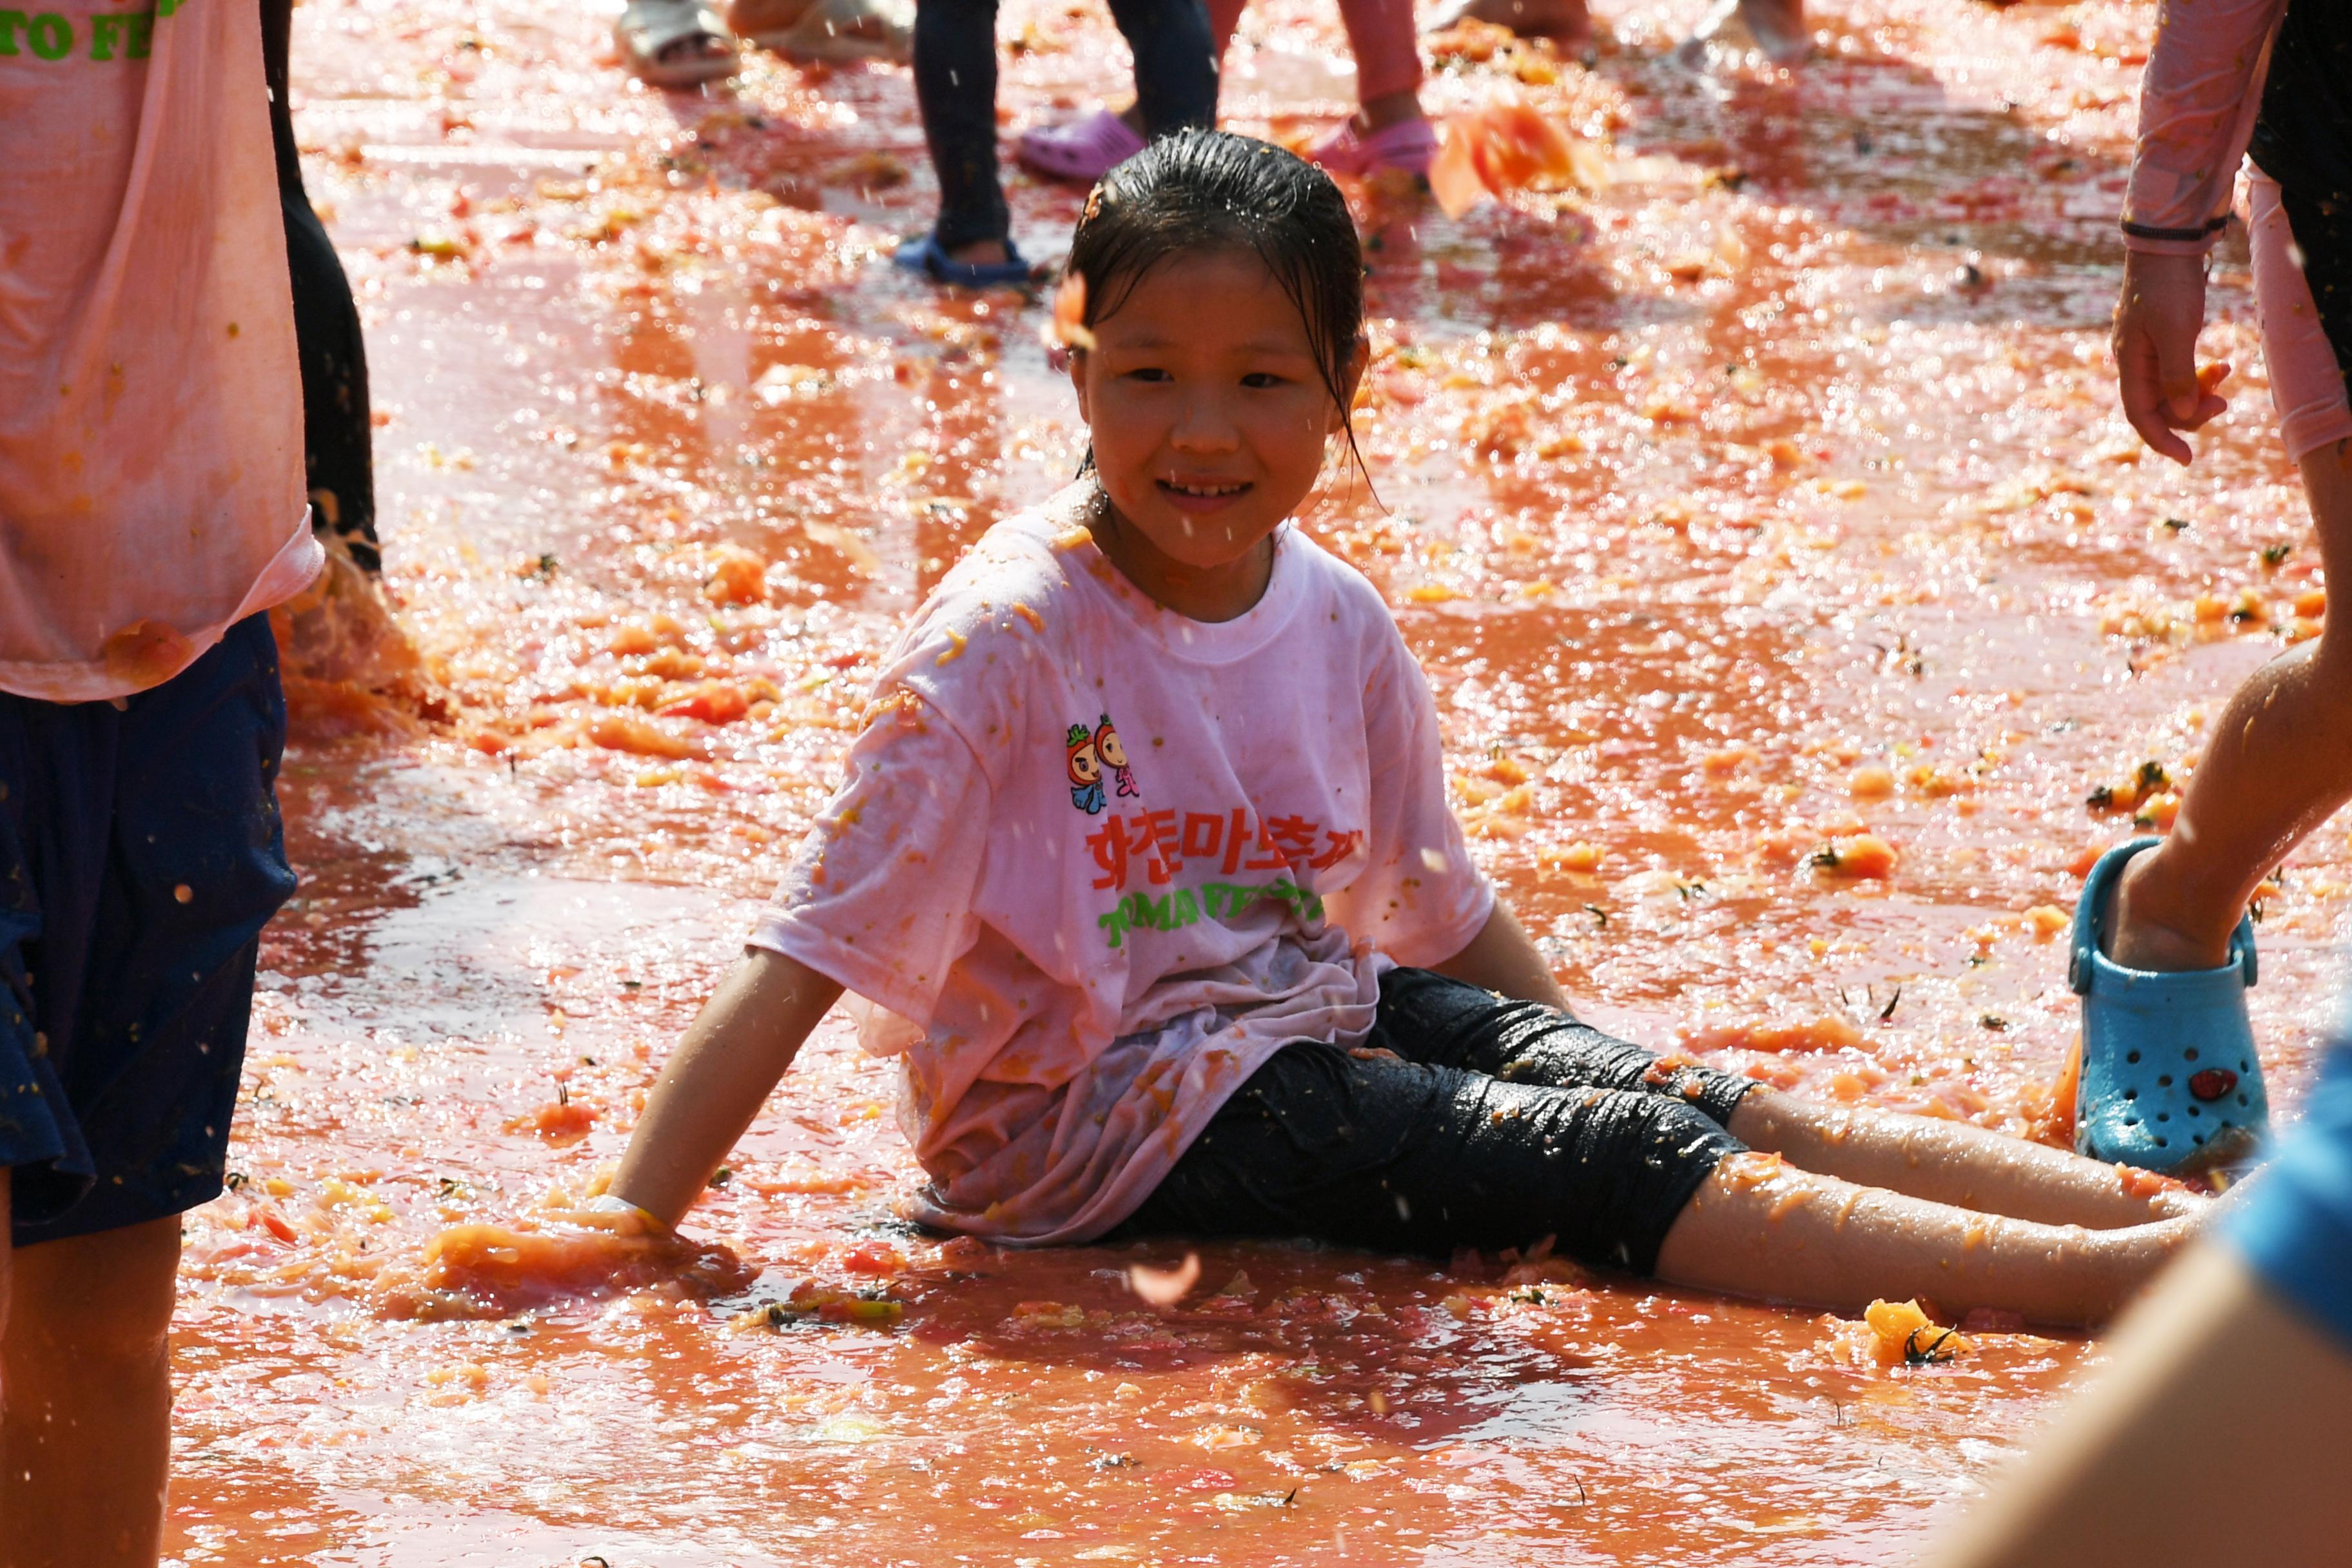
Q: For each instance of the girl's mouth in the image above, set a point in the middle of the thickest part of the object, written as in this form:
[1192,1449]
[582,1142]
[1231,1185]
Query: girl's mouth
[1202,495]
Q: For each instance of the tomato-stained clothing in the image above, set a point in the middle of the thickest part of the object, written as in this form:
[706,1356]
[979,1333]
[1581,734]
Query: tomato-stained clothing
[1095,862]
[2198,101]
[151,420]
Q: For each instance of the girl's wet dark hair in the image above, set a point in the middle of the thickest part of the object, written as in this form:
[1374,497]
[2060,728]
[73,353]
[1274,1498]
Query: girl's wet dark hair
[1200,191]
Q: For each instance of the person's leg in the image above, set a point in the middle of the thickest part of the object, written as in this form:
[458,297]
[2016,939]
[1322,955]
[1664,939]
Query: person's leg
[2278,763]
[1955,1163]
[1756,1227]
[2280,759]
[86,1398]
[1388,61]
[1175,62]
[153,842]
[1367,1149]
[337,433]
[955,88]
[1431,1018]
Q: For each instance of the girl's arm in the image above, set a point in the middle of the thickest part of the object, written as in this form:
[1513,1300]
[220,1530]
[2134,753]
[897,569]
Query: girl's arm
[2198,101]
[2198,97]
[715,1082]
[2211,1436]
[1503,960]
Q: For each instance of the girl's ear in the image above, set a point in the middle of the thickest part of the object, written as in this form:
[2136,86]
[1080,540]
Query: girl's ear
[1352,380]
[1077,358]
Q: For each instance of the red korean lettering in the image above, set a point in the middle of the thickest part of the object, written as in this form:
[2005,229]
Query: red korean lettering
[1142,846]
[1203,836]
[1337,846]
[1164,837]
[1294,838]
[1109,845]
[1267,857]
[1236,840]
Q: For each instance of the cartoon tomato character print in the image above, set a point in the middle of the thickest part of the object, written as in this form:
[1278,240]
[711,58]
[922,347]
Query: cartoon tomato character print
[1085,770]
[1112,753]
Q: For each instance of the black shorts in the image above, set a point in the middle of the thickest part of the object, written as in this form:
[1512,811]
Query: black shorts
[1493,1124]
[140,855]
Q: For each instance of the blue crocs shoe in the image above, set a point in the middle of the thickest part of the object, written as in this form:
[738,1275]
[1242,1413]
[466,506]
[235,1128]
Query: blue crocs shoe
[2170,1081]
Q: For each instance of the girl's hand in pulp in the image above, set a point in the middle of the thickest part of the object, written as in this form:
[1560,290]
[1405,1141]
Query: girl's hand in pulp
[2157,321]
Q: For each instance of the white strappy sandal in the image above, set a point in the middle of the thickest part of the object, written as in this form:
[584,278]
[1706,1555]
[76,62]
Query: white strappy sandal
[647,28]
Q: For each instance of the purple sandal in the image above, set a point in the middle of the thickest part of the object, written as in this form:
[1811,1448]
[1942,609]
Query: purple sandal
[1083,150]
[1409,146]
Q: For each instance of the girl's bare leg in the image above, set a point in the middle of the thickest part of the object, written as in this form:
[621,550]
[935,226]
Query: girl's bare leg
[2279,765]
[85,1433]
[1793,1235]
[1953,1162]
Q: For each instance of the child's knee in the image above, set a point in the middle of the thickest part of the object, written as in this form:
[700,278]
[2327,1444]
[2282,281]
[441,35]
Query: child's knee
[95,1300]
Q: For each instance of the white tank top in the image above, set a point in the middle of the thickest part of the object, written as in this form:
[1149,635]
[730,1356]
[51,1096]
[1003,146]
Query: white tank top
[151,413]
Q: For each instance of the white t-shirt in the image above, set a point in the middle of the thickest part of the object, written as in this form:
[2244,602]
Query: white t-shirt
[151,405]
[1095,862]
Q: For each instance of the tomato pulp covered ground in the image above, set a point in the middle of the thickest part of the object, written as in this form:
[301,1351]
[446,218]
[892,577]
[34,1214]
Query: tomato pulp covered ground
[1758,501]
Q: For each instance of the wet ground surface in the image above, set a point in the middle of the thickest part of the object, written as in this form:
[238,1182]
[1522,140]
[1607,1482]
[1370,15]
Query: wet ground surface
[1787,454]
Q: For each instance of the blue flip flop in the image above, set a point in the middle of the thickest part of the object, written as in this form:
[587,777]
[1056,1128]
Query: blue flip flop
[2170,1080]
[926,256]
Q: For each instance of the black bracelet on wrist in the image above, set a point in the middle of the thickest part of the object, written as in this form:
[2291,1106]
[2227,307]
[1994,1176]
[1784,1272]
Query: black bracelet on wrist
[2181,235]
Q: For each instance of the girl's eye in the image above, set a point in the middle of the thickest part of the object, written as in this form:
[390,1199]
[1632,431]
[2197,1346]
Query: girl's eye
[1147,373]
[1262,379]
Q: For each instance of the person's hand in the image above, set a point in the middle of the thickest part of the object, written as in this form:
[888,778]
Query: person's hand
[2156,321]
[601,1249]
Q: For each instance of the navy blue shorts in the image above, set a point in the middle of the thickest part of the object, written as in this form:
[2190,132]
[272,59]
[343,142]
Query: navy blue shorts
[1466,1120]
[140,854]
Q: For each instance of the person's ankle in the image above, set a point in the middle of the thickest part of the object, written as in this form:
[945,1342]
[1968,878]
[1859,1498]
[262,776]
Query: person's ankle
[2140,935]
[982,253]
[1378,114]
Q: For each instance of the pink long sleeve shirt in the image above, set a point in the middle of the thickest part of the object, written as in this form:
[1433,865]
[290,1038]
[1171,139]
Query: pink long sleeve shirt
[2198,100]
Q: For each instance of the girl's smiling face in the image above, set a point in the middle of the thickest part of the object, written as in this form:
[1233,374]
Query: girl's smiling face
[1211,419]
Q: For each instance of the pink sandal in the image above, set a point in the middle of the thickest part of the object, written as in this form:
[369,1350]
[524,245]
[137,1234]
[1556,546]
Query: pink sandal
[1409,146]
[1079,150]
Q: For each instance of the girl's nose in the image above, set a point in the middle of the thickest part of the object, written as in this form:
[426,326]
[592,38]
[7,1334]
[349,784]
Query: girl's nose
[1205,424]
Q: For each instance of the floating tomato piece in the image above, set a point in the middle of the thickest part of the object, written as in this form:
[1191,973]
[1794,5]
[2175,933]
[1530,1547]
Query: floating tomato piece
[713,702]
[1496,150]
[2063,1097]
[619,732]
[873,1258]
